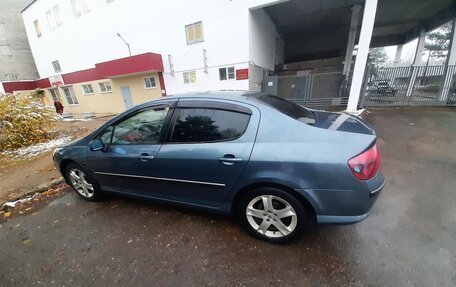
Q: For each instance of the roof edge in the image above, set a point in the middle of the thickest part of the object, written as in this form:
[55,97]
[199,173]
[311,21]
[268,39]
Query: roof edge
[26,7]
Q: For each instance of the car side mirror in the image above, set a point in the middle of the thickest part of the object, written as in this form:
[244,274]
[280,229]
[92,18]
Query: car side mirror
[96,145]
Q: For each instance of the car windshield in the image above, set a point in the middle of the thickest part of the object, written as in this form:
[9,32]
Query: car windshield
[288,108]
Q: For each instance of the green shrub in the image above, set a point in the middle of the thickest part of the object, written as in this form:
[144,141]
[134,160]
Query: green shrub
[24,121]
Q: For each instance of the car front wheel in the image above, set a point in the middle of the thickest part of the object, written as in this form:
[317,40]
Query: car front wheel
[82,183]
[273,215]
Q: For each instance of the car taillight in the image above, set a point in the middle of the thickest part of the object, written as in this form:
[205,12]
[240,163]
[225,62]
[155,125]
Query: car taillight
[366,165]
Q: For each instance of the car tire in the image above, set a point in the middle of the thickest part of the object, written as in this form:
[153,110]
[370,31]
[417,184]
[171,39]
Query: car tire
[283,223]
[84,185]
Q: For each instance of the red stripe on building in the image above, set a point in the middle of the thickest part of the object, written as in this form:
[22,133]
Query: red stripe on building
[120,67]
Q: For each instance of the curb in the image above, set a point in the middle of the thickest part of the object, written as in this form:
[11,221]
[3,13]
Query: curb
[39,189]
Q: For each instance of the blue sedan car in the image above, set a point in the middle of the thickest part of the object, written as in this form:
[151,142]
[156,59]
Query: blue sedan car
[279,167]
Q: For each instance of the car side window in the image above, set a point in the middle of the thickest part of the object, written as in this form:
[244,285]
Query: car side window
[196,125]
[141,128]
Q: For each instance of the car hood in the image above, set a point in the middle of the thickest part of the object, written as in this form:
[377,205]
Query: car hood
[341,122]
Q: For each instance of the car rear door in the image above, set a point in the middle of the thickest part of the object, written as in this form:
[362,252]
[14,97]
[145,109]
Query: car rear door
[127,164]
[208,147]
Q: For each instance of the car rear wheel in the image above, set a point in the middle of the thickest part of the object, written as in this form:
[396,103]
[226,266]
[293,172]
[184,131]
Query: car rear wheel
[86,187]
[273,215]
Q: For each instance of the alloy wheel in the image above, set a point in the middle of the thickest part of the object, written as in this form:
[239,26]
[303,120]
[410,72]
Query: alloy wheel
[271,216]
[80,183]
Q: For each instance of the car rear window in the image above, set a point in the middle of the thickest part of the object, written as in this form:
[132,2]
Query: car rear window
[288,108]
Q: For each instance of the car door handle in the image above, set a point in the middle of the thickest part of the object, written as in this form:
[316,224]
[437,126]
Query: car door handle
[230,159]
[145,157]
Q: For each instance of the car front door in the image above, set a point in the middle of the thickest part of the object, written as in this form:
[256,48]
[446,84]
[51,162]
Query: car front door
[208,147]
[127,164]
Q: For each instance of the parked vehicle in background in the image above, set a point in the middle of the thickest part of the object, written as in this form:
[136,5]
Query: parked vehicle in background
[278,167]
[382,88]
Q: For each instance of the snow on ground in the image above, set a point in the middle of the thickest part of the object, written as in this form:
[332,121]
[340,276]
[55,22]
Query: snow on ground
[34,150]
[76,120]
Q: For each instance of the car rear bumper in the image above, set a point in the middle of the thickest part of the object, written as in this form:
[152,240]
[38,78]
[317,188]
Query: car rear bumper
[345,206]
[336,219]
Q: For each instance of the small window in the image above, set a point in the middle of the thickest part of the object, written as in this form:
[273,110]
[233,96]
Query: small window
[55,94]
[80,7]
[226,73]
[12,77]
[56,66]
[5,51]
[37,28]
[149,82]
[70,96]
[142,128]
[105,87]
[194,33]
[57,18]
[50,20]
[189,77]
[87,89]
[2,32]
[196,125]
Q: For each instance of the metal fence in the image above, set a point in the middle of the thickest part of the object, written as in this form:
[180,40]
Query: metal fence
[410,86]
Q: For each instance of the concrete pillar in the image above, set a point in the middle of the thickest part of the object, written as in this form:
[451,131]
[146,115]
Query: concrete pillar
[351,39]
[419,48]
[416,62]
[450,60]
[397,57]
[367,26]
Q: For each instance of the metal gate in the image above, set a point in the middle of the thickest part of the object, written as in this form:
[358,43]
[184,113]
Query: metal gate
[307,89]
[410,86]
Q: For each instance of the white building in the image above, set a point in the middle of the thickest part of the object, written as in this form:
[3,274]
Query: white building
[80,33]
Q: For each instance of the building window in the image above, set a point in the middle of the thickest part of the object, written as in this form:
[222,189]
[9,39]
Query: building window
[80,7]
[226,73]
[5,51]
[149,82]
[12,77]
[50,20]
[53,18]
[87,89]
[2,32]
[189,77]
[194,33]
[55,94]
[56,66]
[57,18]
[70,96]
[37,28]
[105,87]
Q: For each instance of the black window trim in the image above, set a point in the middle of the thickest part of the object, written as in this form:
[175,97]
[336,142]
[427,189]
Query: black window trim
[203,105]
[196,104]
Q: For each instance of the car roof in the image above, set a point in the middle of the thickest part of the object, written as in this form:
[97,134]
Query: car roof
[237,95]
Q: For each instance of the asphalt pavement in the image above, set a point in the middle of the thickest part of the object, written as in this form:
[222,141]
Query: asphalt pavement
[409,239]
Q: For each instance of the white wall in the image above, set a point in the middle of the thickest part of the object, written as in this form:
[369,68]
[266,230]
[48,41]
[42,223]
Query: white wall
[263,34]
[149,26]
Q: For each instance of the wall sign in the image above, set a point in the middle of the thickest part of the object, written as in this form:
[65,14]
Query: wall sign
[56,81]
[242,74]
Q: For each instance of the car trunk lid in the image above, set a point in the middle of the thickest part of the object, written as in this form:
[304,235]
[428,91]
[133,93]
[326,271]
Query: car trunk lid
[341,122]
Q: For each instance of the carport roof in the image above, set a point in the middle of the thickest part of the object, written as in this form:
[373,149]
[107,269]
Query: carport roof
[396,21]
